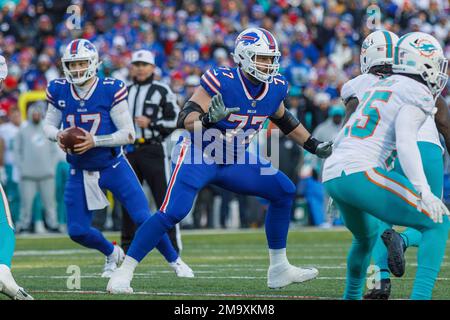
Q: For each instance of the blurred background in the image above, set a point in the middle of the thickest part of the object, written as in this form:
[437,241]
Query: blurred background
[319,41]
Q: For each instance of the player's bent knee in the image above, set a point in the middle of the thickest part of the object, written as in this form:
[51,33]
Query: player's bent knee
[167,220]
[77,232]
[285,192]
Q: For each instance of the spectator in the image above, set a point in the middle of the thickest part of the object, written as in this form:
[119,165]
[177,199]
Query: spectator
[36,160]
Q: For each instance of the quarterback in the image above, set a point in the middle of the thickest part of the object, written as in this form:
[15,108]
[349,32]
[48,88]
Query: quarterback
[99,107]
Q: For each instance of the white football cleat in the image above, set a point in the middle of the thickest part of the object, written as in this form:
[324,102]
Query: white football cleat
[113,261]
[182,269]
[9,287]
[120,282]
[282,275]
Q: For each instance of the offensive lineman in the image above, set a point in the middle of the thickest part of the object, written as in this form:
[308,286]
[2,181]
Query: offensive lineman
[231,102]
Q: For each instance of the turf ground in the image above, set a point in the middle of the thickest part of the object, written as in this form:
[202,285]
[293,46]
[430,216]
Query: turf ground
[227,265]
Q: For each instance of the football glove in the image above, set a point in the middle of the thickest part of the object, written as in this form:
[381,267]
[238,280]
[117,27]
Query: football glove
[433,205]
[324,149]
[216,111]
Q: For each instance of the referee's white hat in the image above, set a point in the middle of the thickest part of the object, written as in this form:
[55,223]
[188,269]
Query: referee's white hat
[145,56]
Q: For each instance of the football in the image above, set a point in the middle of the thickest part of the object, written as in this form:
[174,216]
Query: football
[69,138]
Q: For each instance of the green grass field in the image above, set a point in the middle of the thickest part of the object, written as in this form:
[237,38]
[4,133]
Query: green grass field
[227,265]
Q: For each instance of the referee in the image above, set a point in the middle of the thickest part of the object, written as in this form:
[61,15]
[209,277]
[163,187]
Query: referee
[154,109]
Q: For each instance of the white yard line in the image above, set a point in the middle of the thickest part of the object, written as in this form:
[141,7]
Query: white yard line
[189,232]
[187,294]
[149,276]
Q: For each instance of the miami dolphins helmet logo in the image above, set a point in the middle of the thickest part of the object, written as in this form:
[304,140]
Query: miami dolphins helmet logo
[425,47]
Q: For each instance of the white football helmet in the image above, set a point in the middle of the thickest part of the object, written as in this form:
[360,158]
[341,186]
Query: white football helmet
[253,42]
[3,70]
[420,53]
[80,50]
[377,49]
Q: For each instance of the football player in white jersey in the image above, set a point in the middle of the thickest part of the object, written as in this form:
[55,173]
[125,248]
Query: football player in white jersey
[376,62]
[8,285]
[388,117]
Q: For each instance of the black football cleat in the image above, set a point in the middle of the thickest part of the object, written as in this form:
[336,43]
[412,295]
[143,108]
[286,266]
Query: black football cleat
[382,293]
[396,252]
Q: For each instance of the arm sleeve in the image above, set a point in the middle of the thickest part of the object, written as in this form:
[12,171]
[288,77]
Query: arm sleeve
[52,122]
[125,133]
[407,124]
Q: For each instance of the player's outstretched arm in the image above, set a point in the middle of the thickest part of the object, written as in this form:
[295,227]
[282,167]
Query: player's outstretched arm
[201,107]
[292,127]
[442,119]
[193,109]
[407,125]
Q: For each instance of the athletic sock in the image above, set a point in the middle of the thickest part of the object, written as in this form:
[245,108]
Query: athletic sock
[353,288]
[278,257]
[129,264]
[411,237]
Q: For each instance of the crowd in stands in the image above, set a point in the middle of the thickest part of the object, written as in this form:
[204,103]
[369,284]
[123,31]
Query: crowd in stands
[319,41]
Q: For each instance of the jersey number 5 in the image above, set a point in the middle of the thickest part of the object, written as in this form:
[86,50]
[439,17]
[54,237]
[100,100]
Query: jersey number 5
[85,118]
[364,128]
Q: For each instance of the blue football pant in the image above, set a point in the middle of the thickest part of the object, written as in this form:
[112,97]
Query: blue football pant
[124,185]
[188,178]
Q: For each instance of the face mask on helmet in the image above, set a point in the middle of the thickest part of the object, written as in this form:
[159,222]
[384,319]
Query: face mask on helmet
[77,70]
[257,54]
[80,61]
[421,54]
[442,77]
[264,67]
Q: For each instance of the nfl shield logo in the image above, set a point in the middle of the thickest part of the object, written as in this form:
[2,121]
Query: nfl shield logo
[254,103]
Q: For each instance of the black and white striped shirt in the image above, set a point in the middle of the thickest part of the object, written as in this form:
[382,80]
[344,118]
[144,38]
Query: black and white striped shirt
[156,101]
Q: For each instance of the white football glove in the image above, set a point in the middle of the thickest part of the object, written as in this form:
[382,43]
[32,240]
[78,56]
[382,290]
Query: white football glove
[433,205]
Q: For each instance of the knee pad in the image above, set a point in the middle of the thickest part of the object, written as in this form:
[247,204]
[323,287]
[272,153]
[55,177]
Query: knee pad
[76,232]
[286,190]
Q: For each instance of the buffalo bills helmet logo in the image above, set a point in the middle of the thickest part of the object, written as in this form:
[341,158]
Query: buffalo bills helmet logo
[89,46]
[248,38]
